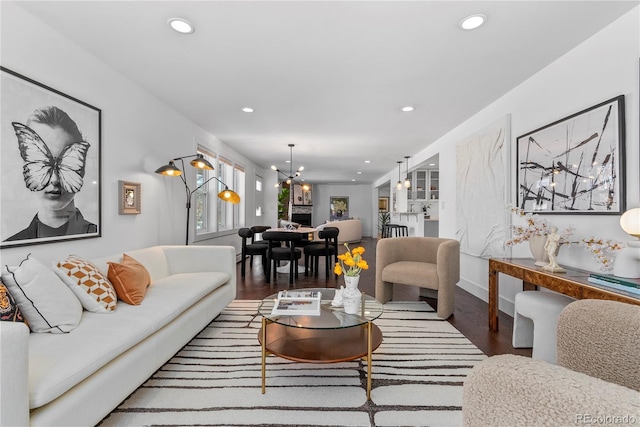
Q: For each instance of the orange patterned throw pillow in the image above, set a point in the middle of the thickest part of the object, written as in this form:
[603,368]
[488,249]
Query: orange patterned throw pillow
[88,283]
[130,278]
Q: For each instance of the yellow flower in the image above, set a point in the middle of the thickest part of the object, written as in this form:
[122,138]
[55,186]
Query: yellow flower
[351,262]
[337,269]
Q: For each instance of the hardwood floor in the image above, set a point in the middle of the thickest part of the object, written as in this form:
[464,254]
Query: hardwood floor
[470,315]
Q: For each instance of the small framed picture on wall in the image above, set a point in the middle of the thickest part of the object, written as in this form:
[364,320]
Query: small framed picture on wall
[130,196]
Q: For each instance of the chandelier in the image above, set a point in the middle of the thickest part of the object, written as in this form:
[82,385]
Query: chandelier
[292,175]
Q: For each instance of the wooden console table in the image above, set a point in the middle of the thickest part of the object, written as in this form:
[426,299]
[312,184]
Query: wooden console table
[573,283]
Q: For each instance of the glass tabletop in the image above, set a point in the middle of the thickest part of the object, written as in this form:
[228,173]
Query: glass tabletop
[330,317]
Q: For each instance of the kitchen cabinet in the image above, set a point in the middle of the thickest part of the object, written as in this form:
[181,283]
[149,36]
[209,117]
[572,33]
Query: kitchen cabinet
[434,184]
[425,185]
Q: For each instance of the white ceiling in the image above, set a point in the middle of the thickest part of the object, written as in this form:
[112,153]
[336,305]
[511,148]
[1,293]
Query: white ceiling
[328,76]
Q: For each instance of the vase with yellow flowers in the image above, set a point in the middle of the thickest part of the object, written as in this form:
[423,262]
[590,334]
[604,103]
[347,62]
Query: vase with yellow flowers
[350,264]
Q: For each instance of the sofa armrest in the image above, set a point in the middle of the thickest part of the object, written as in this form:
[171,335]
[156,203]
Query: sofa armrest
[511,390]
[201,259]
[14,371]
[601,339]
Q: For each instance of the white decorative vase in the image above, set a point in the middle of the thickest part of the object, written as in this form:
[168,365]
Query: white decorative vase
[536,245]
[351,297]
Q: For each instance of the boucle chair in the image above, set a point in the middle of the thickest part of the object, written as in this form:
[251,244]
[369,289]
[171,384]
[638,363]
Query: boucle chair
[597,376]
[427,262]
[535,321]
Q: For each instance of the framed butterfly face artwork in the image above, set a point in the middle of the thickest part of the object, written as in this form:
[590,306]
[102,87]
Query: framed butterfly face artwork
[50,176]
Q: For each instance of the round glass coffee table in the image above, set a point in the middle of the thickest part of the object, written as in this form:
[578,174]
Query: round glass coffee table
[333,336]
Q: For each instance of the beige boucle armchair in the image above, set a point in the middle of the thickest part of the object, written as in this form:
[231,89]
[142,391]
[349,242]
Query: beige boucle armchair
[426,262]
[596,381]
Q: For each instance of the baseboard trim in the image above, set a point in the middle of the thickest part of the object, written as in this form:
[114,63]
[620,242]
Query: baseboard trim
[482,292]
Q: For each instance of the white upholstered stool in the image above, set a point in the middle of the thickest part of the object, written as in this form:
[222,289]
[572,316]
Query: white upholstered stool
[535,320]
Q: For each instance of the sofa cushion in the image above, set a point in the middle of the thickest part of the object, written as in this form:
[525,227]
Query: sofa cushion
[412,273]
[130,279]
[46,302]
[153,259]
[54,368]
[93,289]
[9,310]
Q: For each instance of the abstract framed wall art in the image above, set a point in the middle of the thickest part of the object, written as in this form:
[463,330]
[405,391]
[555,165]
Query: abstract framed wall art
[576,164]
[339,208]
[130,198]
[50,176]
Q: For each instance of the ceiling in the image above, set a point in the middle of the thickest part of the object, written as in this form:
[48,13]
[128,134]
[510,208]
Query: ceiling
[328,76]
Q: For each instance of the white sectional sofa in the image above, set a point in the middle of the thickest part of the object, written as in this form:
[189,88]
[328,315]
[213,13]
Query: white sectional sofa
[77,378]
[350,230]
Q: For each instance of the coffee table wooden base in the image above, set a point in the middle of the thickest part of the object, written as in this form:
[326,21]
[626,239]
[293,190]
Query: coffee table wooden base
[319,345]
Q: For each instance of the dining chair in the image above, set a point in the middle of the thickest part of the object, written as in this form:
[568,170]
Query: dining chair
[257,232]
[327,249]
[277,253]
[251,249]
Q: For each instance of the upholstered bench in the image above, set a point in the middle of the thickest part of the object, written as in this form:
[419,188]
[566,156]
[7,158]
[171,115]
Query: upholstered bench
[535,320]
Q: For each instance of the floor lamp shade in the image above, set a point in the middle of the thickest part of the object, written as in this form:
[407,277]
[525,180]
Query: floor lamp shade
[169,170]
[229,196]
[199,162]
[627,263]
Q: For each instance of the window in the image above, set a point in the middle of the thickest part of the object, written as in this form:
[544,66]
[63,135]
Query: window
[238,186]
[211,213]
[259,196]
[204,208]
[224,209]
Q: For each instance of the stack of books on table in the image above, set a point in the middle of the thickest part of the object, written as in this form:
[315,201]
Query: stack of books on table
[297,303]
[627,285]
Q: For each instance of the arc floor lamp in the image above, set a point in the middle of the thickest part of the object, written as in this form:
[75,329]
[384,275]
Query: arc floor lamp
[199,162]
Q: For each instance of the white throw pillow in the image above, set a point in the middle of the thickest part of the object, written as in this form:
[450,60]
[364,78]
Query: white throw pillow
[45,301]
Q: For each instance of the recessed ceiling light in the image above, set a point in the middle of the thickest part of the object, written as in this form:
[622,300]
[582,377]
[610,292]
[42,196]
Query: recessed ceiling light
[407,109]
[367,161]
[359,172]
[432,164]
[353,180]
[472,22]
[181,25]
[248,110]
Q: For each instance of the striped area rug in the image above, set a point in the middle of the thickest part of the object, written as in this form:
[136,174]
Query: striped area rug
[215,380]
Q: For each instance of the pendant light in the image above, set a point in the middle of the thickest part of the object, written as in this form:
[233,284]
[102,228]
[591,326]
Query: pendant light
[291,175]
[407,181]
[399,184]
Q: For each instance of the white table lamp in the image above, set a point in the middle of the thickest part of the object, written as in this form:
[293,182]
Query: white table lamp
[627,263]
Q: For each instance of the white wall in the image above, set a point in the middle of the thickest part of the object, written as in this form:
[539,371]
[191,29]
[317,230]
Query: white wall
[360,202]
[139,134]
[604,66]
